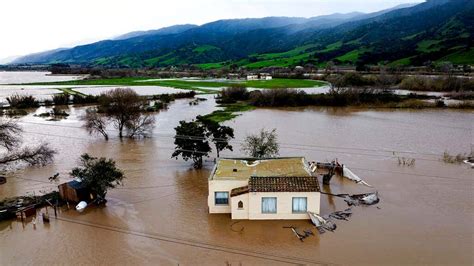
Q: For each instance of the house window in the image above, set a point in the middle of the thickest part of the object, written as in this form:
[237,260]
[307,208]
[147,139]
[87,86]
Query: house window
[222,198]
[300,205]
[240,205]
[269,205]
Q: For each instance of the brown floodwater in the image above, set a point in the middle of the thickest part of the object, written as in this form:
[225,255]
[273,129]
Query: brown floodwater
[160,215]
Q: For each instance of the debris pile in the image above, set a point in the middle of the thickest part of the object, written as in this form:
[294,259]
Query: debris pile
[362,199]
[325,223]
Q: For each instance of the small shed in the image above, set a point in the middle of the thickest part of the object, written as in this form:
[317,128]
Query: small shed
[75,191]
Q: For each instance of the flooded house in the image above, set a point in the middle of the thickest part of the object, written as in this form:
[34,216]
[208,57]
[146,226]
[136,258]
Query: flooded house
[75,191]
[267,189]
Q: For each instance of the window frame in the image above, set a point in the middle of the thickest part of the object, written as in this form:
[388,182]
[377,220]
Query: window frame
[292,205]
[276,205]
[221,204]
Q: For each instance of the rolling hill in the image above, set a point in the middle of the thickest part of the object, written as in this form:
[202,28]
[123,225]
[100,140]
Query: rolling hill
[433,31]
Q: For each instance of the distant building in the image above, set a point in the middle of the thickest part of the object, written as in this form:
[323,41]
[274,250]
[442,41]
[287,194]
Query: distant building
[75,191]
[252,77]
[233,76]
[299,68]
[269,189]
[265,76]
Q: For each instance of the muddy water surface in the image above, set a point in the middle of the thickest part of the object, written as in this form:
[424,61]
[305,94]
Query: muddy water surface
[160,215]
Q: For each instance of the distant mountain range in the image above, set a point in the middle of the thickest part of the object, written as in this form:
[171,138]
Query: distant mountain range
[433,31]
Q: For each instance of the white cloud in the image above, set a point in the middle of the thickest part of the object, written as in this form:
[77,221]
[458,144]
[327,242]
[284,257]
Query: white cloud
[32,26]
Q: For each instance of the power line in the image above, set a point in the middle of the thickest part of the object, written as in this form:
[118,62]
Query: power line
[283,145]
[197,244]
[243,141]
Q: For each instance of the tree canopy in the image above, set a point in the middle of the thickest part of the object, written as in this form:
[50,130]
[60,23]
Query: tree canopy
[261,145]
[125,109]
[99,174]
[191,142]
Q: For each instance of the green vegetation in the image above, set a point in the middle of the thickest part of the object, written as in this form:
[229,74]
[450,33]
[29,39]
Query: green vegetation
[209,66]
[99,175]
[288,54]
[283,83]
[332,47]
[205,48]
[198,85]
[352,56]
[71,92]
[460,57]
[429,46]
[229,112]
[401,62]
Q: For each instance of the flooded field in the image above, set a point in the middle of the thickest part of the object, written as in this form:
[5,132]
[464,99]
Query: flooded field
[160,215]
[34,76]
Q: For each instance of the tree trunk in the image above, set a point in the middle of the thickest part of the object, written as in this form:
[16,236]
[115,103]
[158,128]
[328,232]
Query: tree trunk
[198,163]
[121,131]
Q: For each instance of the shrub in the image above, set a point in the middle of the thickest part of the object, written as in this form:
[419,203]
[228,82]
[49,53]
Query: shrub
[61,99]
[22,101]
[351,79]
[455,159]
[233,94]
[418,83]
[88,99]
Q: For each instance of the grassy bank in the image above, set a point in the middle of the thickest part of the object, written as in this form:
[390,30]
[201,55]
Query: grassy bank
[199,85]
[229,112]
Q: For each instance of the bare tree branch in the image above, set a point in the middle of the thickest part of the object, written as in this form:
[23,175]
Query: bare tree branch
[95,123]
[140,126]
[10,134]
[40,155]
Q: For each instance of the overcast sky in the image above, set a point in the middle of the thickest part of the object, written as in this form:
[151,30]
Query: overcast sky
[28,26]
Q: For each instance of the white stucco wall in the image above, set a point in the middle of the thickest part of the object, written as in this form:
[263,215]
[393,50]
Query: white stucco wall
[240,213]
[222,186]
[284,205]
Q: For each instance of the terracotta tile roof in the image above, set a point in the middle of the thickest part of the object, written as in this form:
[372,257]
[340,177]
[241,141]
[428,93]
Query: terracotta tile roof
[283,184]
[239,191]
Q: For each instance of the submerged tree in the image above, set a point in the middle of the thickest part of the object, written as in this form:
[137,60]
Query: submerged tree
[262,145]
[95,123]
[99,174]
[191,142]
[140,126]
[124,107]
[11,140]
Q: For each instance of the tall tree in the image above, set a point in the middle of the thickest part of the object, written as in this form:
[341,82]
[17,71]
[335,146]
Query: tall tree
[99,174]
[125,109]
[262,145]
[11,140]
[218,134]
[121,106]
[191,142]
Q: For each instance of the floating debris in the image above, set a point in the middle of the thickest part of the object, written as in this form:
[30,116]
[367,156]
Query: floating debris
[341,215]
[301,237]
[322,223]
[81,206]
[347,173]
[470,161]
[364,199]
